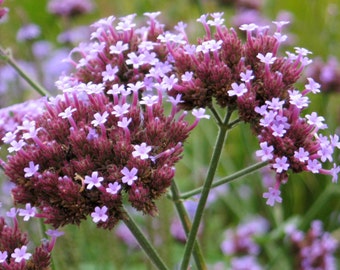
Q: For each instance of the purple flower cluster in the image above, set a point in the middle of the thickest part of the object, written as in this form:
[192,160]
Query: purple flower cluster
[254,79]
[17,115]
[108,136]
[14,253]
[314,249]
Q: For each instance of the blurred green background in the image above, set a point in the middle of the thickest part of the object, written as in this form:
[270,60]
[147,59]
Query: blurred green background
[315,25]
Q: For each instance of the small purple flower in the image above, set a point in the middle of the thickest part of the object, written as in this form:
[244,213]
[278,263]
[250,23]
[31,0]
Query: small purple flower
[110,73]
[312,86]
[297,99]
[12,213]
[267,59]
[113,188]
[93,180]
[99,119]
[134,60]
[119,47]
[120,110]
[9,137]
[141,151]
[3,256]
[124,123]
[129,176]
[314,165]
[272,196]
[31,169]
[278,130]
[275,104]
[149,100]
[281,164]
[200,113]
[248,76]
[266,151]
[99,214]
[28,212]
[21,254]
[16,145]
[238,90]
[314,119]
[248,27]
[67,113]
[301,155]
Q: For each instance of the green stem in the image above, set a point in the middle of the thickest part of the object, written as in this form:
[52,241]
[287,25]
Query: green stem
[222,134]
[36,86]
[227,179]
[216,115]
[144,243]
[186,224]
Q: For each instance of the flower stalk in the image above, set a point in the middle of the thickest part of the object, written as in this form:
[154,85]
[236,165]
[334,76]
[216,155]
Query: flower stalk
[222,134]
[186,224]
[248,170]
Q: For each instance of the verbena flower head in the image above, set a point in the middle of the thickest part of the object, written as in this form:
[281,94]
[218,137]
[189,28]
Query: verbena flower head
[255,79]
[107,136]
[15,249]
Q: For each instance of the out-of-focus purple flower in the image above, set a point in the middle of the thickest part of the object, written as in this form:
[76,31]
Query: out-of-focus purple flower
[240,241]
[243,4]
[327,73]
[70,8]
[314,249]
[247,16]
[28,32]
[245,263]
[75,35]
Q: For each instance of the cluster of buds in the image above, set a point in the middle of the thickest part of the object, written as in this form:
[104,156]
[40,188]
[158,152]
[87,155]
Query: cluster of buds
[108,137]
[314,249]
[14,253]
